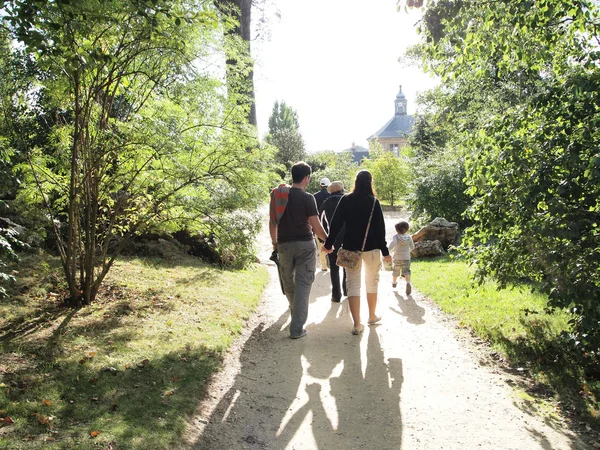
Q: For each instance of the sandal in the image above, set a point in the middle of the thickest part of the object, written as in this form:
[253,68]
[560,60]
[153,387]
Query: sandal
[357,330]
[374,320]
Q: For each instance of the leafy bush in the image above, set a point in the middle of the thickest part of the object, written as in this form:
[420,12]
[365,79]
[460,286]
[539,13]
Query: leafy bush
[438,187]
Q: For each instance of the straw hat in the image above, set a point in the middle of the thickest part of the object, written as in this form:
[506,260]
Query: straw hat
[336,186]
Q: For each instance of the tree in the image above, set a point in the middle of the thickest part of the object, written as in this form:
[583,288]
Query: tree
[337,166]
[240,65]
[532,164]
[143,136]
[285,136]
[437,181]
[390,173]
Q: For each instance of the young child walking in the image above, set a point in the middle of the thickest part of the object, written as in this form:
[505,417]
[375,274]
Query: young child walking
[401,246]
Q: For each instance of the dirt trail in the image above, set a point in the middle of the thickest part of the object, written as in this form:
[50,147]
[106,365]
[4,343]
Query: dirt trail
[409,383]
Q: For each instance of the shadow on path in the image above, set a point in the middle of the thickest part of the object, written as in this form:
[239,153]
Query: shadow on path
[329,390]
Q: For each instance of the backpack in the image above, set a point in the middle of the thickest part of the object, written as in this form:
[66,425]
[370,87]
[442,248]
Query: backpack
[278,202]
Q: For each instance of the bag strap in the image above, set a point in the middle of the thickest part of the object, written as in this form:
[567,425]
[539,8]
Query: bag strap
[368,225]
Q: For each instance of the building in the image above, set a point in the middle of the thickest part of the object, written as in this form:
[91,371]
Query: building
[358,152]
[394,134]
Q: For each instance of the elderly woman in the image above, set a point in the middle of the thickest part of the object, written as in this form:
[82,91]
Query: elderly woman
[355,211]
[336,192]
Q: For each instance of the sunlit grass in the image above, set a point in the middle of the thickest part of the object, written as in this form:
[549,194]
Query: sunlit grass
[494,314]
[515,323]
[132,366]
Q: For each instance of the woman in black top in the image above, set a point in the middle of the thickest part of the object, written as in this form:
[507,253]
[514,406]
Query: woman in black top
[354,211]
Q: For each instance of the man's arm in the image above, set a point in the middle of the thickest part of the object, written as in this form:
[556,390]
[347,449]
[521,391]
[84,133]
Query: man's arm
[273,233]
[317,227]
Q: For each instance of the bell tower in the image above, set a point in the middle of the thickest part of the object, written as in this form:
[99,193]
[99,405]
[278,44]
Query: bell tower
[400,103]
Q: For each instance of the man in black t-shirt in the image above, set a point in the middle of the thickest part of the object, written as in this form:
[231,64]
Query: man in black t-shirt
[292,236]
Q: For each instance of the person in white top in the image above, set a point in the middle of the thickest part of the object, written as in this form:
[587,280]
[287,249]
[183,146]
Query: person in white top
[401,246]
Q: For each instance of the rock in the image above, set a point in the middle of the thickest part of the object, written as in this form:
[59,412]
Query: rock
[202,246]
[440,230]
[427,248]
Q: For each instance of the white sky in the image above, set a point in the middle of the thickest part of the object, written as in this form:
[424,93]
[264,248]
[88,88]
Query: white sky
[336,63]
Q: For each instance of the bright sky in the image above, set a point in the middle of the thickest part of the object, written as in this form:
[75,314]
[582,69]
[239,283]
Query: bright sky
[336,63]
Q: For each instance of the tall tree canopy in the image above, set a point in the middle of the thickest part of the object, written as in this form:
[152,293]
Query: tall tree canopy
[533,161]
[142,132]
[284,134]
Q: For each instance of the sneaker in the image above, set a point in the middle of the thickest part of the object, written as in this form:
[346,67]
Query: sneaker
[358,330]
[408,288]
[335,300]
[301,335]
[394,285]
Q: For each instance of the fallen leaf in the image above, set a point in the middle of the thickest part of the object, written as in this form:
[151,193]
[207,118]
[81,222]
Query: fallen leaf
[91,354]
[94,433]
[169,393]
[41,419]
[143,363]
[93,380]
[8,420]
[175,378]
[94,399]
[47,403]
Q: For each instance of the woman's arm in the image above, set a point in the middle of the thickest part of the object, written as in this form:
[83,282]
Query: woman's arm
[380,229]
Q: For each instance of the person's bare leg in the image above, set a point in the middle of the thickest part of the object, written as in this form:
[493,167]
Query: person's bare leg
[354,304]
[372,302]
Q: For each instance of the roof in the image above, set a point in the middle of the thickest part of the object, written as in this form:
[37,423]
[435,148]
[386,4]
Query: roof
[359,155]
[400,125]
[358,152]
[356,148]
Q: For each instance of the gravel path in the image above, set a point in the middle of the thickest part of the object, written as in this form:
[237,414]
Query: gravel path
[411,382]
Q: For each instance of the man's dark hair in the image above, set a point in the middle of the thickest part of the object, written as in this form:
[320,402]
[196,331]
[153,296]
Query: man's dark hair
[402,227]
[300,170]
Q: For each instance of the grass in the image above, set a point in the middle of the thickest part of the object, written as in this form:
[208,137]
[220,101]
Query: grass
[126,371]
[518,329]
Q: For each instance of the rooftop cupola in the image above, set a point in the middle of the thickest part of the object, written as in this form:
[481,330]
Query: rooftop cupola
[400,103]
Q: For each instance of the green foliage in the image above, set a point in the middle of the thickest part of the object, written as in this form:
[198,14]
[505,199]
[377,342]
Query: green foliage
[533,167]
[285,136]
[283,117]
[141,130]
[337,166]
[390,173]
[438,187]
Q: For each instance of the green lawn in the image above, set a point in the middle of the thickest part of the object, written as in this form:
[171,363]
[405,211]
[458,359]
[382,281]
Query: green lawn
[127,370]
[516,325]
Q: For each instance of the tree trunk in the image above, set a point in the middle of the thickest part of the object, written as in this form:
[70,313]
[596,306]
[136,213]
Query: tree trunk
[241,10]
[72,249]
